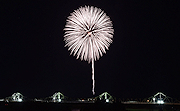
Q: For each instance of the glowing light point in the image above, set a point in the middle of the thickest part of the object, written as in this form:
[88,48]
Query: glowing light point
[160,102]
[59,100]
[107,100]
[19,100]
[89,33]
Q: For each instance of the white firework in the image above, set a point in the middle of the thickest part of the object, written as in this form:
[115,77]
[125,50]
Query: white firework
[88,34]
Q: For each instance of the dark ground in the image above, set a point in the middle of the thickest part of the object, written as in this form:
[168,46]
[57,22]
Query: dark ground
[34,106]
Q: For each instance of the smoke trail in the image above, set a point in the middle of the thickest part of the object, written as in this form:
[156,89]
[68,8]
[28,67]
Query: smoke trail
[93,77]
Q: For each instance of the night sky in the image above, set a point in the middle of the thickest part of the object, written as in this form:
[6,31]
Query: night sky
[142,60]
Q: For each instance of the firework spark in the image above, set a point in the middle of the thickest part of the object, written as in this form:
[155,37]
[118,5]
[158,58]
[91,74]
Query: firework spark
[88,34]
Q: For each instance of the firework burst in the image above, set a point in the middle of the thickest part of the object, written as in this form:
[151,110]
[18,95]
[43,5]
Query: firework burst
[88,34]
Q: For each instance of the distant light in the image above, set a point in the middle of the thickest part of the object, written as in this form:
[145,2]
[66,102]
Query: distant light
[107,100]
[153,99]
[59,100]
[160,102]
[1,99]
[19,100]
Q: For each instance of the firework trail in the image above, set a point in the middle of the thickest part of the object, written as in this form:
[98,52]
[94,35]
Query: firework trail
[88,34]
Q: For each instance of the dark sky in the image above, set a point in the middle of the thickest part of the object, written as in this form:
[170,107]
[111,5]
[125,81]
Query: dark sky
[143,58]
